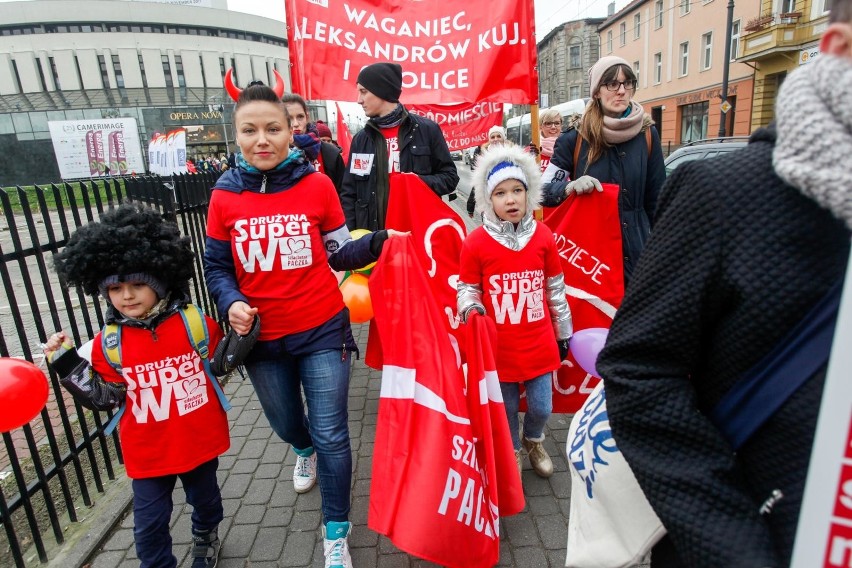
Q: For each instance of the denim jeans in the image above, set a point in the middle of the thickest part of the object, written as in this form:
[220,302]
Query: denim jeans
[324,377]
[539,395]
[152,511]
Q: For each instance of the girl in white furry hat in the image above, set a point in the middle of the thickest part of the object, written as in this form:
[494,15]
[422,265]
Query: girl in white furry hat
[510,271]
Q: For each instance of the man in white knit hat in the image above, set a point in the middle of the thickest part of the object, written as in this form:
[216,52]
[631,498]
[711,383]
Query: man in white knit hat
[745,248]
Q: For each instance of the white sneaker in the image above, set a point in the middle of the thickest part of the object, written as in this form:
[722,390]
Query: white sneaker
[337,550]
[305,474]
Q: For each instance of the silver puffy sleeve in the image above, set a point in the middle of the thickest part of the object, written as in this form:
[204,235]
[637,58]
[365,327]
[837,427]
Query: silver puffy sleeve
[469,297]
[560,313]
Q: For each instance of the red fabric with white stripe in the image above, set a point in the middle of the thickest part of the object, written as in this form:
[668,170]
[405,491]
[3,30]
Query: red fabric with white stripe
[587,231]
[430,491]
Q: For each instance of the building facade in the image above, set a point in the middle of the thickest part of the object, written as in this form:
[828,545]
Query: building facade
[161,64]
[677,49]
[783,36]
[564,58]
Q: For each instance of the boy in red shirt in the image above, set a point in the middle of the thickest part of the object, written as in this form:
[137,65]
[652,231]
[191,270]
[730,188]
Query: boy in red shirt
[175,424]
[510,270]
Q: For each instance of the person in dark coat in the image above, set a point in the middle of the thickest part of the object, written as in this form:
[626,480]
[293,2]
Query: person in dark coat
[744,245]
[393,140]
[615,133]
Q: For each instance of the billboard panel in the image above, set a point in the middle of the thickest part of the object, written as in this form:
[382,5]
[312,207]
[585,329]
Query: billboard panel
[91,148]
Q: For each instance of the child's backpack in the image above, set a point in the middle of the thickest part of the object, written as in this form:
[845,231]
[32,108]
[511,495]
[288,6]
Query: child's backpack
[196,330]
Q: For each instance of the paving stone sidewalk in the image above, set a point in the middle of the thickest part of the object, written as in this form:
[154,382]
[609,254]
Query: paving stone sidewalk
[268,525]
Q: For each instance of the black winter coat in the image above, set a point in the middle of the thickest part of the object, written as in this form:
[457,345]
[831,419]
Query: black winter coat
[422,150]
[736,259]
[639,174]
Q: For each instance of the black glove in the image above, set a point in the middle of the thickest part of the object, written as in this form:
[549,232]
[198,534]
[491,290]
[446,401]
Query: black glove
[233,349]
[563,348]
[533,149]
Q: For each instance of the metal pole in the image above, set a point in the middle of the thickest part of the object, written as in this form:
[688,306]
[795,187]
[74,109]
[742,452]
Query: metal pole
[727,66]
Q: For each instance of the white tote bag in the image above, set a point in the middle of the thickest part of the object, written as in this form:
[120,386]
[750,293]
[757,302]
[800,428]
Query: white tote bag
[610,524]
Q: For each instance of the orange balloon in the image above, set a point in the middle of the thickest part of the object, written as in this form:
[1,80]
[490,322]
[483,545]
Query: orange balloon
[23,392]
[356,296]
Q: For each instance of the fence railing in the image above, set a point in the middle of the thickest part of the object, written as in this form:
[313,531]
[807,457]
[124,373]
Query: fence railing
[54,464]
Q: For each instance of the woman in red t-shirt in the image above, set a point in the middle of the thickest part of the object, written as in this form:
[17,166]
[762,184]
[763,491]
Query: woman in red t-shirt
[274,226]
[510,271]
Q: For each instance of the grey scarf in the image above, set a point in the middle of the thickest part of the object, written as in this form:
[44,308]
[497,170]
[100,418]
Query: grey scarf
[618,130]
[814,140]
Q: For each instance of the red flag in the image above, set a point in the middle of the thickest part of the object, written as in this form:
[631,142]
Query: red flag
[344,137]
[587,231]
[438,233]
[488,417]
[464,124]
[430,491]
[483,51]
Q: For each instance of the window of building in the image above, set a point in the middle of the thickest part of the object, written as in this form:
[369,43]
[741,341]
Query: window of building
[637,25]
[658,14]
[684,58]
[79,73]
[179,71]
[636,69]
[55,72]
[222,66]
[693,122]
[735,39]
[573,92]
[104,72]
[623,33]
[201,66]
[609,41]
[167,71]
[658,68]
[685,6]
[706,51]
[116,67]
[142,70]
[43,83]
[788,6]
[574,57]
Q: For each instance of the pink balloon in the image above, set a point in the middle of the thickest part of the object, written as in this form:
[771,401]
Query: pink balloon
[23,392]
[585,346]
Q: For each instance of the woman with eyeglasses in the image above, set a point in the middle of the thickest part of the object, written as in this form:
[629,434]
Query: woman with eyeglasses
[618,144]
[550,124]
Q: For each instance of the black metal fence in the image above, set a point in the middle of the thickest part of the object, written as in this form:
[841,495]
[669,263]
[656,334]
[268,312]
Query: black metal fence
[52,466]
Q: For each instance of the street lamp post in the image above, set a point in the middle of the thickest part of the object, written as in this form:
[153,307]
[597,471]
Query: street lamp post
[726,68]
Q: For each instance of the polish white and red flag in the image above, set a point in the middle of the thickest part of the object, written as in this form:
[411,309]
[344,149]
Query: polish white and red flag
[437,234]
[587,231]
[443,467]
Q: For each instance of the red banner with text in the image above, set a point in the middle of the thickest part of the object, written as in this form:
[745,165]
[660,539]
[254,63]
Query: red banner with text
[483,51]
[587,232]
[464,124]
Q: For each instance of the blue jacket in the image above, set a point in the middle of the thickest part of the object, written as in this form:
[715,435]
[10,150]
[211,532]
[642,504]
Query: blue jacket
[638,173]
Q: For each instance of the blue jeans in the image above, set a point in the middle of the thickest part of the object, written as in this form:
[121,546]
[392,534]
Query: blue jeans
[324,376]
[152,511]
[539,407]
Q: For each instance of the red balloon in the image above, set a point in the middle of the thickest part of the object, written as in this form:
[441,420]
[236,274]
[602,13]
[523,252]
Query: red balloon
[356,296]
[23,392]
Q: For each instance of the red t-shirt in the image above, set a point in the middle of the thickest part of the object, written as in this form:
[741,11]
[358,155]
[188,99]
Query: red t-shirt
[513,292]
[392,137]
[173,421]
[279,257]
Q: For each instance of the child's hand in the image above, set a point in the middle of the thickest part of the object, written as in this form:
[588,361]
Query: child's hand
[56,345]
[241,316]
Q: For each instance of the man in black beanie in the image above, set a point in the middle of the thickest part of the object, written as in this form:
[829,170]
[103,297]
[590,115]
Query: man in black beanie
[392,141]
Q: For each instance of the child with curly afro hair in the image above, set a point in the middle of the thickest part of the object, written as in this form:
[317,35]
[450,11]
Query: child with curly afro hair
[176,425]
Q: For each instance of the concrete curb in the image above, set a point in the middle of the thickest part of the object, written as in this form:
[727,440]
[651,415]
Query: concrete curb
[83,538]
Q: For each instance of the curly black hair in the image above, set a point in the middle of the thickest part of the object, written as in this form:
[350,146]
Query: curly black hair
[129,239]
